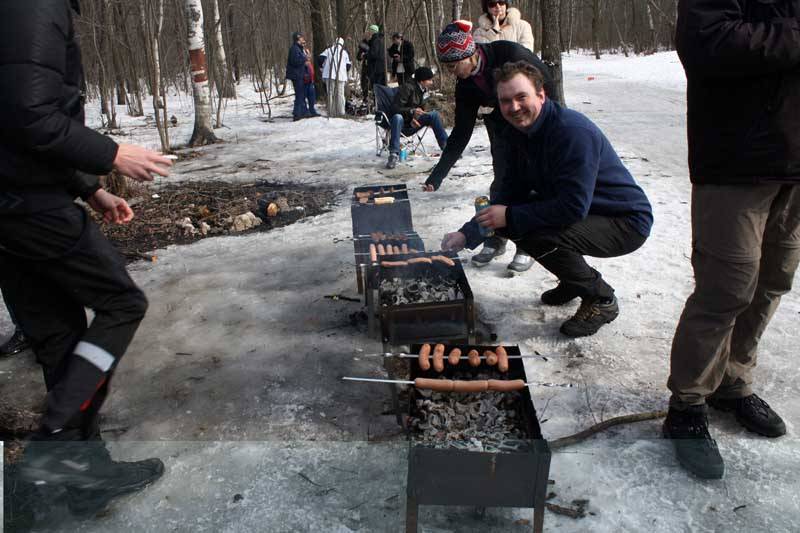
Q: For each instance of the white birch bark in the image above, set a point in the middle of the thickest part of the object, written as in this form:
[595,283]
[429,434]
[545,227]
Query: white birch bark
[202,134]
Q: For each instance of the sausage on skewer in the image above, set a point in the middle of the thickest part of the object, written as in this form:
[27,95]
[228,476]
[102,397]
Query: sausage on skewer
[474,358]
[424,352]
[438,358]
[454,357]
[502,359]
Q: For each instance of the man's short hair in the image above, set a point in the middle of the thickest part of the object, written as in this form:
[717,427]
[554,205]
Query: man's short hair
[509,70]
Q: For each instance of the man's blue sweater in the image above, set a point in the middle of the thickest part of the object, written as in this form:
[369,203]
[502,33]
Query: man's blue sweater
[560,171]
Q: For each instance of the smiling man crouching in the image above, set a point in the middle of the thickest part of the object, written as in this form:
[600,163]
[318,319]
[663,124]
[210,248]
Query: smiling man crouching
[566,194]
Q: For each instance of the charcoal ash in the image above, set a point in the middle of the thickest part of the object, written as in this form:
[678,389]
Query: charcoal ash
[422,289]
[482,422]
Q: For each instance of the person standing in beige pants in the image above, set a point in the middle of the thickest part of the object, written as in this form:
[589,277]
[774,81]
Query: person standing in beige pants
[742,63]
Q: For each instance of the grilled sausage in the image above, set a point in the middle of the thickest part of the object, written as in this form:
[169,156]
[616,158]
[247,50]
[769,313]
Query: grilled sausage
[474,358]
[420,260]
[404,248]
[455,357]
[443,259]
[478,385]
[381,249]
[424,352]
[373,253]
[502,359]
[393,263]
[506,385]
[384,200]
[491,357]
[438,358]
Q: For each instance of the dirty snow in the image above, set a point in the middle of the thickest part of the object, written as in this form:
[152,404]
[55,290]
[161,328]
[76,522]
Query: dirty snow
[233,377]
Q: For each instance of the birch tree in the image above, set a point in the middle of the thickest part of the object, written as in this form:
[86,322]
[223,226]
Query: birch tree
[202,134]
[224,78]
[551,47]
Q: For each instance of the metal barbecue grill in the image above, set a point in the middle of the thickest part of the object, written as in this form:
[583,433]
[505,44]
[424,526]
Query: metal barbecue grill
[459,477]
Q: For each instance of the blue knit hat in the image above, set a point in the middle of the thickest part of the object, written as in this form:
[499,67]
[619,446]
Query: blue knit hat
[455,42]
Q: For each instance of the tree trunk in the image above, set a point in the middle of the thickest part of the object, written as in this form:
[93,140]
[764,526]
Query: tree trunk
[318,34]
[202,134]
[457,9]
[341,19]
[551,49]
[596,28]
[152,24]
[653,39]
[225,81]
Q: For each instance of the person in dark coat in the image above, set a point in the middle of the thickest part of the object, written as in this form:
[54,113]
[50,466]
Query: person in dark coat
[409,114]
[361,56]
[54,262]
[742,63]
[402,55]
[565,194]
[376,57]
[297,65]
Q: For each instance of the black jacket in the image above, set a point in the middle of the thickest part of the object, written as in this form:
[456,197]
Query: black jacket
[409,97]
[43,141]
[406,52]
[376,58]
[470,96]
[742,62]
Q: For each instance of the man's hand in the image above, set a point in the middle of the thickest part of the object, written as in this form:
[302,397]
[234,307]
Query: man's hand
[418,112]
[427,187]
[113,208]
[454,242]
[493,217]
[140,163]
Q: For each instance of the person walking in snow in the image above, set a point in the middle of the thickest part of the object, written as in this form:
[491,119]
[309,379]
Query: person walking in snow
[742,63]
[565,194]
[335,68]
[498,22]
[54,262]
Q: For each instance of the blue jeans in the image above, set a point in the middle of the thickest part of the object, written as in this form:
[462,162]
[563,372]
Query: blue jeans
[428,119]
[300,110]
[311,98]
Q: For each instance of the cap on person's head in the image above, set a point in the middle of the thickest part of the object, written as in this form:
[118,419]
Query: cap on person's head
[374,28]
[340,41]
[423,73]
[397,35]
[296,36]
[485,4]
[455,42]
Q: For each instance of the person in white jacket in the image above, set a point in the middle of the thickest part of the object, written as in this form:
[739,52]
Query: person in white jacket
[502,23]
[334,72]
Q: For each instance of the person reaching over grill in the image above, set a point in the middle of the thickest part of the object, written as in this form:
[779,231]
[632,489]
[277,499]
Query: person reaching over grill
[410,115]
[565,194]
[54,262]
[473,65]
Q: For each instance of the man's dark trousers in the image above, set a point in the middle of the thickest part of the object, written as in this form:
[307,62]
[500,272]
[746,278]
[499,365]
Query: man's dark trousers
[561,252]
[55,264]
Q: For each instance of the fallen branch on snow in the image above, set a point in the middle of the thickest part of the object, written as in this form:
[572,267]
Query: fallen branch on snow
[605,424]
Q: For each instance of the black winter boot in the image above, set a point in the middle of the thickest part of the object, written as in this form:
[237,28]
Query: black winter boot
[590,317]
[17,343]
[59,459]
[753,413]
[559,296]
[694,447]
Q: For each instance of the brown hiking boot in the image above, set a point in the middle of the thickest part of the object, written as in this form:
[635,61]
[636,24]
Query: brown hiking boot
[590,317]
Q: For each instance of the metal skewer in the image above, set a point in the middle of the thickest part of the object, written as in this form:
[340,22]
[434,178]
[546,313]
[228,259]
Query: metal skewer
[463,357]
[406,382]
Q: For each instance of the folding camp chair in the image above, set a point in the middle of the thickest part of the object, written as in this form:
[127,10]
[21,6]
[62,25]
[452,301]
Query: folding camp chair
[410,138]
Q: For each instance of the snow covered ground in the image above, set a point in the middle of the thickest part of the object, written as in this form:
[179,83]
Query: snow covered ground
[233,378]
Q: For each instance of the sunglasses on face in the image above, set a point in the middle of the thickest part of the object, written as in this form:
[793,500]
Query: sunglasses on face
[495,4]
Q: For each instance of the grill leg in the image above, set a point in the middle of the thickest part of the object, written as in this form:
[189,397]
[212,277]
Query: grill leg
[412,514]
